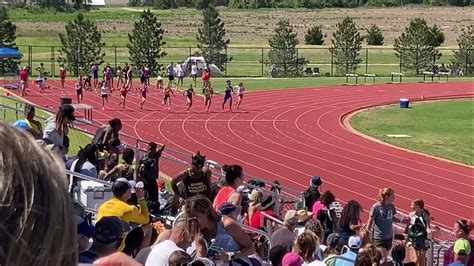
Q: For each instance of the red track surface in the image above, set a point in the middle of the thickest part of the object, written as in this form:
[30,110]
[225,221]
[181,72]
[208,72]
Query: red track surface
[290,135]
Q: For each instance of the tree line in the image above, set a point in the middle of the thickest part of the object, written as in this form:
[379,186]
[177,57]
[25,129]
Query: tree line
[416,47]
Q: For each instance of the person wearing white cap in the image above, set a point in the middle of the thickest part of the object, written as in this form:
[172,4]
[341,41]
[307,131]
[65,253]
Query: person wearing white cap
[354,245]
[285,236]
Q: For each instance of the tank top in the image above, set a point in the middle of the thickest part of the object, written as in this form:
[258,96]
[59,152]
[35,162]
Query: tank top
[196,186]
[225,240]
[222,196]
[104,90]
[62,72]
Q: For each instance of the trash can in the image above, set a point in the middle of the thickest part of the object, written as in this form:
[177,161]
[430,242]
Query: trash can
[64,100]
[404,103]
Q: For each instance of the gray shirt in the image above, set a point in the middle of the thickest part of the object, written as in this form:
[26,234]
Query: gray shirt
[383,220]
[51,133]
[284,238]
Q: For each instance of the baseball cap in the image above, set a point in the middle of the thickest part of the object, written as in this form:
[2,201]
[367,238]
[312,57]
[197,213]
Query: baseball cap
[292,259]
[120,186]
[291,217]
[462,247]
[83,227]
[333,239]
[354,242]
[110,229]
[21,124]
[68,111]
[316,181]
[227,208]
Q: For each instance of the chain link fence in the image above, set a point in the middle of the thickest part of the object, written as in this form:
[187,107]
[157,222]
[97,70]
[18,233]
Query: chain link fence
[254,61]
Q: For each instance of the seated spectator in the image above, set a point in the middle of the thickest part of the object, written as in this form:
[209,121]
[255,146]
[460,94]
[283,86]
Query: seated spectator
[179,240]
[354,246]
[364,259]
[303,217]
[234,177]
[350,221]
[317,229]
[292,259]
[365,236]
[142,256]
[276,255]
[29,123]
[163,194]
[266,207]
[205,225]
[398,255]
[118,206]
[193,181]
[105,135]
[179,258]
[305,245]
[373,251]
[312,194]
[126,169]
[334,248]
[56,125]
[228,211]
[85,231]
[462,250]
[255,199]
[109,232]
[285,236]
[35,198]
[462,230]
[84,163]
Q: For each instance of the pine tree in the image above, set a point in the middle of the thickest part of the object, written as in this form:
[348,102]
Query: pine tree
[211,38]
[464,57]
[146,42]
[417,45]
[346,46]
[82,44]
[283,55]
[374,35]
[314,36]
[7,39]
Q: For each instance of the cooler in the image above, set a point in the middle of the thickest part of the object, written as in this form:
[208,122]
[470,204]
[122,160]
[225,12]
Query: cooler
[404,103]
[93,194]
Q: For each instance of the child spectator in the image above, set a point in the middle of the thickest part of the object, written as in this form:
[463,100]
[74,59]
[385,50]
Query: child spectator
[163,194]
[324,214]
[306,245]
[312,194]
[354,245]
[418,230]
[462,229]
[29,123]
[125,169]
[350,222]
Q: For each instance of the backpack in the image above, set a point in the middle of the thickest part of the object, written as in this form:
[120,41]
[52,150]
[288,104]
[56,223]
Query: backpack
[326,218]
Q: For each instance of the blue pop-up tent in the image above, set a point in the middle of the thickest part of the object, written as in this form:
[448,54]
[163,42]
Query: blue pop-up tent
[7,52]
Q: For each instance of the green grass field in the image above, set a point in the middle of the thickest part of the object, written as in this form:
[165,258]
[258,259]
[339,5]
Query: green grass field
[40,28]
[440,128]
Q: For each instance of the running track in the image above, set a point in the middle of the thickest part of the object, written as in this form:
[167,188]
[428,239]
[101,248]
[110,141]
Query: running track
[293,134]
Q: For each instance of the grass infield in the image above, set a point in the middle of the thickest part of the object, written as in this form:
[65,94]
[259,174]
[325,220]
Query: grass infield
[440,128]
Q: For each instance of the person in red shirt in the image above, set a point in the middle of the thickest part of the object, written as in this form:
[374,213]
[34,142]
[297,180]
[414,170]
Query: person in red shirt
[62,75]
[266,207]
[23,76]
[206,77]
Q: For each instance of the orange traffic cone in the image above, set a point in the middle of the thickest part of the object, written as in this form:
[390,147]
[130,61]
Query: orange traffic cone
[6,93]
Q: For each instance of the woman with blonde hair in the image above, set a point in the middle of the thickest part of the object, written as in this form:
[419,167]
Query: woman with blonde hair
[38,226]
[231,243]
[306,245]
[255,199]
[381,218]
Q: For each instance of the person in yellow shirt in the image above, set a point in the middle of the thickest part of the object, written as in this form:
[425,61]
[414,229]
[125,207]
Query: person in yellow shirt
[118,207]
